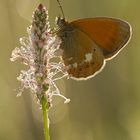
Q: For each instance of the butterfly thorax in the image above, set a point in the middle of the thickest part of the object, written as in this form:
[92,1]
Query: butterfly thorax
[64,29]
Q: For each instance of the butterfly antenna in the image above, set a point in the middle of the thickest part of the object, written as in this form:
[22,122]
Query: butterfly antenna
[60,6]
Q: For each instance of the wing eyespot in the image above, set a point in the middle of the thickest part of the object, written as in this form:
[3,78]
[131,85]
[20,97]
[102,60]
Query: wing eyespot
[94,49]
[92,63]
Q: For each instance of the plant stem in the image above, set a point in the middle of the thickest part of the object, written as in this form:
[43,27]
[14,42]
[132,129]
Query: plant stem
[45,118]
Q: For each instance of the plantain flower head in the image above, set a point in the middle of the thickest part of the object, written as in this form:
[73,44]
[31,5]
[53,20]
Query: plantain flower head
[39,51]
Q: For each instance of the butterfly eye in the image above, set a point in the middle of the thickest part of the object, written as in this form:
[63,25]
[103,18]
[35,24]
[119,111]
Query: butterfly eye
[60,21]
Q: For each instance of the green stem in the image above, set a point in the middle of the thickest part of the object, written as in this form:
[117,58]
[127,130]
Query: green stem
[45,118]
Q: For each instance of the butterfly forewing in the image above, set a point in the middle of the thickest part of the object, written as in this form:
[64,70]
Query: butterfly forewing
[109,34]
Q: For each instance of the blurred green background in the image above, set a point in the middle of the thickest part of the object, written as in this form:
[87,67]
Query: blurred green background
[106,107]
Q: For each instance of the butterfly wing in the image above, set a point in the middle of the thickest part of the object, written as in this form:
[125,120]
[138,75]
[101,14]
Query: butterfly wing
[82,57]
[111,35]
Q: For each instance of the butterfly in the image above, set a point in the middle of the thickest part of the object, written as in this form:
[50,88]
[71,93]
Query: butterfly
[88,43]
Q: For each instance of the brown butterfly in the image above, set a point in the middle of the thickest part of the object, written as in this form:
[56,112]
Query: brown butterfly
[88,43]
